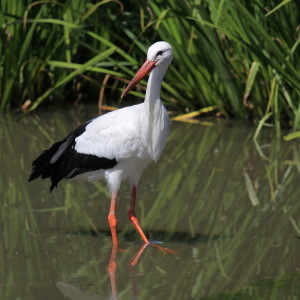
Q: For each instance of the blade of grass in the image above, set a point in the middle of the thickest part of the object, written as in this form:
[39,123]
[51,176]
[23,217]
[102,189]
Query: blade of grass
[82,68]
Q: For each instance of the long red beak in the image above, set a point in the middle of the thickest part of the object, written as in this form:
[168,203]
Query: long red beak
[142,72]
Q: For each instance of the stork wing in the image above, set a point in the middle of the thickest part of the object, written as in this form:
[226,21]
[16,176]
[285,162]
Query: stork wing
[115,135]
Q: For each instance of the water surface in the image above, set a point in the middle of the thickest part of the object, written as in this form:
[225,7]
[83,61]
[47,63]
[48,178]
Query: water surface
[228,206]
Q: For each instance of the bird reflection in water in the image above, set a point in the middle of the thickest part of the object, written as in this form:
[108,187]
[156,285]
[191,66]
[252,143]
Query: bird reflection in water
[74,293]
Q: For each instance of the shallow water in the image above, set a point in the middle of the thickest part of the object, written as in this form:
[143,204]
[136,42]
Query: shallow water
[227,206]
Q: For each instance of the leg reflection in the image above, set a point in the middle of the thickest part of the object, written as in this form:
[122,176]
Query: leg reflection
[112,270]
[73,293]
[137,256]
[112,267]
[134,261]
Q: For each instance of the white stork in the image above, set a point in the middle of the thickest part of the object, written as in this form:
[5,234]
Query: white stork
[118,145]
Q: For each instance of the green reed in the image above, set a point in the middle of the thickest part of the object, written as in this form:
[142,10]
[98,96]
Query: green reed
[47,46]
[238,57]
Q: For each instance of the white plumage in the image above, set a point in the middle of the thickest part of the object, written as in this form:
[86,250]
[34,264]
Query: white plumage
[118,145]
[128,138]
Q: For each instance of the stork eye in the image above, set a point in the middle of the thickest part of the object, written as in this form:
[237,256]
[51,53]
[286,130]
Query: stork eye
[159,53]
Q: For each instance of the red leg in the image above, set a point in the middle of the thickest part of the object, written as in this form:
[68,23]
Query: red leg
[132,217]
[112,220]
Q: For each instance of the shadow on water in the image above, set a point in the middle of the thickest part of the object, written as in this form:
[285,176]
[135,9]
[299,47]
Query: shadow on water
[229,206]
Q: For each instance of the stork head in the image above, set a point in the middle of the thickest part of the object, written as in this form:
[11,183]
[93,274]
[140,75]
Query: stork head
[159,55]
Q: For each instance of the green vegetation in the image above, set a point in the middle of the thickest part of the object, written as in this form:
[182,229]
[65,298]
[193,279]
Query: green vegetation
[233,58]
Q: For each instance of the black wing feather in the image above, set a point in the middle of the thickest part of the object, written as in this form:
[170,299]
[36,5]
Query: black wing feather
[61,160]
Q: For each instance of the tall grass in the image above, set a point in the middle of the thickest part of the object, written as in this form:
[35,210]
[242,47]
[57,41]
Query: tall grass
[237,55]
[236,58]
[47,46]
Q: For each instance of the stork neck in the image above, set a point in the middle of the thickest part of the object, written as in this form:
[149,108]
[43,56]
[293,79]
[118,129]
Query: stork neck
[154,85]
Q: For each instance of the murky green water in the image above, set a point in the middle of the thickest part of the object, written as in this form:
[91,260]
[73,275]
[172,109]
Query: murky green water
[229,207]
